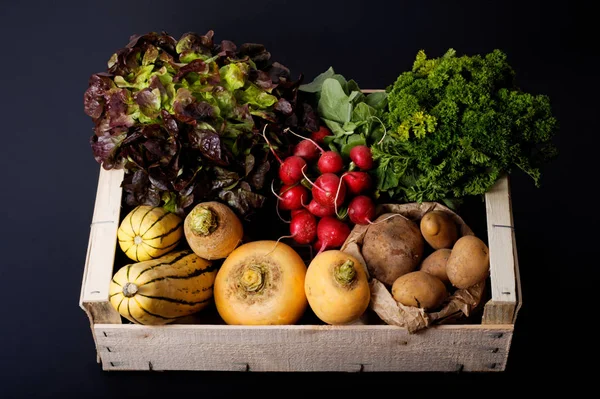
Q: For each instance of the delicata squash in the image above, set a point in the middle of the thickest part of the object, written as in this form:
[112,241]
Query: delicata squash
[159,291]
[149,232]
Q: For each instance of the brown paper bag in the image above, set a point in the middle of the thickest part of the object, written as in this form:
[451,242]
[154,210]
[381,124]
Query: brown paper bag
[458,305]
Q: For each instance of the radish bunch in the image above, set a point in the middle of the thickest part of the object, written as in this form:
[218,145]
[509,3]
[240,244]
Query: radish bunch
[325,194]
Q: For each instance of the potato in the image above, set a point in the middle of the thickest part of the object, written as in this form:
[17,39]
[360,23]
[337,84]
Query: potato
[438,229]
[419,289]
[392,247]
[435,264]
[469,262]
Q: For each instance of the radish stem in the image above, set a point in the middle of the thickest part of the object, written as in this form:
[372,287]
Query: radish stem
[279,214]
[311,183]
[337,193]
[287,129]
[384,129]
[383,220]
[274,193]
[269,144]
[277,243]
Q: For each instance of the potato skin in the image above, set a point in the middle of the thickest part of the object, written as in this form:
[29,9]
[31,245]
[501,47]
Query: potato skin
[435,264]
[419,289]
[438,229]
[469,262]
[392,248]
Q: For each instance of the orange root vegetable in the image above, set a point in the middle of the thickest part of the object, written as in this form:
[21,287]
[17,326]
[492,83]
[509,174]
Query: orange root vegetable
[337,287]
[261,283]
[212,230]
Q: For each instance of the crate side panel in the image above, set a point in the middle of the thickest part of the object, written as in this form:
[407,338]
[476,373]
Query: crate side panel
[302,348]
[102,246]
[501,308]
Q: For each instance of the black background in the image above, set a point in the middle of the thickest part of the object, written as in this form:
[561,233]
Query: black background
[48,175]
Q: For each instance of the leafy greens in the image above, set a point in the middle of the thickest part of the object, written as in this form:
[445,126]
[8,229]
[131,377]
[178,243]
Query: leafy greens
[352,116]
[456,124]
[185,119]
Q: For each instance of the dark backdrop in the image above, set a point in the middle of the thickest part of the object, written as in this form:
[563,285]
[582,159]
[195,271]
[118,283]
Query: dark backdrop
[48,51]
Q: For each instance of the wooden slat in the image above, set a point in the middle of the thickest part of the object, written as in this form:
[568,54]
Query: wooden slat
[101,248]
[502,307]
[303,348]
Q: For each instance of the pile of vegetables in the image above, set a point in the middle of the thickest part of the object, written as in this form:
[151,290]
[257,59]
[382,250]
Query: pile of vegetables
[207,133]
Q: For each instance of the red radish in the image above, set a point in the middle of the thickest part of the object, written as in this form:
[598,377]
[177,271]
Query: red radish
[330,162]
[320,134]
[361,210]
[298,211]
[357,182]
[290,171]
[319,210]
[317,246]
[362,157]
[307,150]
[332,232]
[292,197]
[328,191]
[303,228]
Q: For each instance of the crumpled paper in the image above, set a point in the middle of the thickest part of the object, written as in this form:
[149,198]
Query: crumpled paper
[458,305]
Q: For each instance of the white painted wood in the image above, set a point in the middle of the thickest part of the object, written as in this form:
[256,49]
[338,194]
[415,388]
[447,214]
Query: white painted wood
[303,348]
[501,309]
[101,248]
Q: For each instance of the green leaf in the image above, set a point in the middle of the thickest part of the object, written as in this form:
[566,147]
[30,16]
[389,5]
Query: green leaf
[363,112]
[342,81]
[317,83]
[377,100]
[256,96]
[353,141]
[349,127]
[352,86]
[334,103]
[335,127]
[234,75]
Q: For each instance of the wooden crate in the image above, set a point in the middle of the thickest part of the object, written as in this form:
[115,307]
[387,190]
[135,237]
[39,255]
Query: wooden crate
[469,347]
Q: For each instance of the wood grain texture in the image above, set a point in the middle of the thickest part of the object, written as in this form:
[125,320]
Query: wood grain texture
[101,248]
[303,348]
[501,309]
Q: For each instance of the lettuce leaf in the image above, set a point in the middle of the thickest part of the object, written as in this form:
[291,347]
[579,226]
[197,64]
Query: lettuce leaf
[185,118]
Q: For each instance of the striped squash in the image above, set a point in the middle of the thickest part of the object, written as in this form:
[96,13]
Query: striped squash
[149,232]
[159,291]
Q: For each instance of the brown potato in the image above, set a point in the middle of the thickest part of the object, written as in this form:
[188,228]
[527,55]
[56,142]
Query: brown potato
[435,264]
[438,229]
[469,262]
[419,289]
[392,247]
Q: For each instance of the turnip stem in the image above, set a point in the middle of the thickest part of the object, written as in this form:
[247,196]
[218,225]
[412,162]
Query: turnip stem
[253,278]
[345,273]
[202,221]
